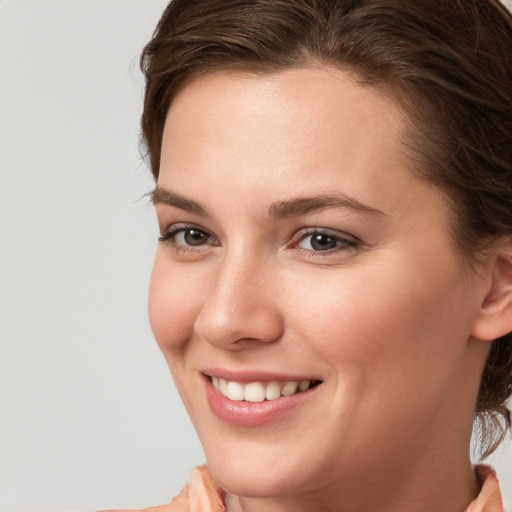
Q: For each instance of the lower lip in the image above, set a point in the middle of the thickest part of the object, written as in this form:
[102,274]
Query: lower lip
[252,414]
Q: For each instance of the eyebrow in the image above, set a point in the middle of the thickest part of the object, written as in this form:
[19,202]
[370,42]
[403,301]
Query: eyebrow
[304,205]
[278,210]
[165,196]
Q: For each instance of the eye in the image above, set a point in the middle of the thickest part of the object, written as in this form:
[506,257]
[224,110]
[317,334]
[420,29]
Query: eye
[189,236]
[321,241]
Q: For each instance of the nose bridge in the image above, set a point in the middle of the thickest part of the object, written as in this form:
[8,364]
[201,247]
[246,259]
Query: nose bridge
[240,304]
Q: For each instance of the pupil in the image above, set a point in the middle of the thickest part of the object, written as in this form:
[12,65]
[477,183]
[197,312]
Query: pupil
[322,242]
[194,237]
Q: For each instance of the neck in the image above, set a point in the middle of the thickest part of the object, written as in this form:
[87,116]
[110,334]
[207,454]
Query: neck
[426,483]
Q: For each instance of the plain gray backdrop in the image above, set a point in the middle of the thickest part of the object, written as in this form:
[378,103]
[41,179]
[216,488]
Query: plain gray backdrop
[89,415]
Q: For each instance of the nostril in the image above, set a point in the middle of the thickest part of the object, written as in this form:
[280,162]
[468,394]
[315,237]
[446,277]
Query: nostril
[241,327]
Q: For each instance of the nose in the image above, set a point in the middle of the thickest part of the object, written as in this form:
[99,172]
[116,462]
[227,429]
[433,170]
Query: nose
[241,305]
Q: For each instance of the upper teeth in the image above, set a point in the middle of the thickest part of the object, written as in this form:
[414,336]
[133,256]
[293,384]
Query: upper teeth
[258,391]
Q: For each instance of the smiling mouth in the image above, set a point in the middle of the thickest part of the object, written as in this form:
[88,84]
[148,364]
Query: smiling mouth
[260,391]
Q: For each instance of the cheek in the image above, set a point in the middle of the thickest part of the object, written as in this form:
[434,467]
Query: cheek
[173,304]
[412,323]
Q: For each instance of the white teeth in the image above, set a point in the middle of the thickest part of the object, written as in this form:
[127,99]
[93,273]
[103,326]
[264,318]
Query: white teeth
[258,391]
[235,391]
[289,388]
[254,392]
[304,385]
[273,391]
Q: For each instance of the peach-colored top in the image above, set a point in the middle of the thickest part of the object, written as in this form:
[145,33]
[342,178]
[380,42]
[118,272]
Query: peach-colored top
[203,494]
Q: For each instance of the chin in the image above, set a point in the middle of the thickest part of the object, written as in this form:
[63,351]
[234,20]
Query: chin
[240,478]
[265,469]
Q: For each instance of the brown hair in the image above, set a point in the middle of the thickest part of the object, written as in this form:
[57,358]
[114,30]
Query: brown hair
[448,63]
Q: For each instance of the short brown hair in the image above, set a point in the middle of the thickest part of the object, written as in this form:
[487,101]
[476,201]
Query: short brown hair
[447,62]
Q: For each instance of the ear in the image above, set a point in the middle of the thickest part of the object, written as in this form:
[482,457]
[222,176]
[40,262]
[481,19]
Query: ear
[495,316]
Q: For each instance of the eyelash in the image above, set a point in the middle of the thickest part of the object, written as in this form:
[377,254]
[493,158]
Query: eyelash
[343,243]
[168,236]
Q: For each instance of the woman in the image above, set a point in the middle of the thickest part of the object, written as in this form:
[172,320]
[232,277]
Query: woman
[332,290]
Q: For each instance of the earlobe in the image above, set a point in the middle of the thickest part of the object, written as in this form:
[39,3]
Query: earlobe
[495,316]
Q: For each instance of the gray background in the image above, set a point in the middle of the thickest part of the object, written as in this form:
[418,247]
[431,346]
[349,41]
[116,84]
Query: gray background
[88,414]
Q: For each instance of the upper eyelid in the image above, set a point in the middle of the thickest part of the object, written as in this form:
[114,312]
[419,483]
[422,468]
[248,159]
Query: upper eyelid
[177,226]
[325,231]
[181,226]
[299,235]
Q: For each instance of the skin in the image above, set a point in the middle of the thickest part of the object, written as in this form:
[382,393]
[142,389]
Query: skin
[391,322]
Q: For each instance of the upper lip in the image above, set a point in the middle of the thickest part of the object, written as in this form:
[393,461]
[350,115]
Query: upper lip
[246,376]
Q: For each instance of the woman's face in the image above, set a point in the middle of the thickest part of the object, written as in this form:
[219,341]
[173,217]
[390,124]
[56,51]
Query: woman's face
[303,261]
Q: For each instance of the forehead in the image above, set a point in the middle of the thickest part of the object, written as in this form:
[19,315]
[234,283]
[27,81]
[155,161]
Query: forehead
[276,135]
[296,105]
